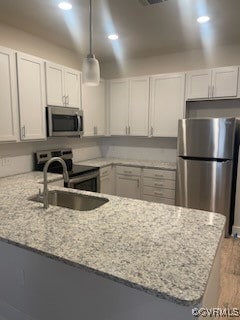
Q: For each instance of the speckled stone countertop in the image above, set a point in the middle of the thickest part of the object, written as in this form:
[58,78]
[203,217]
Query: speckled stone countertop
[103,162]
[163,250]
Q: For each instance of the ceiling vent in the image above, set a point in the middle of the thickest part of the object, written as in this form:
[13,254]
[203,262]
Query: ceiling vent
[150,2]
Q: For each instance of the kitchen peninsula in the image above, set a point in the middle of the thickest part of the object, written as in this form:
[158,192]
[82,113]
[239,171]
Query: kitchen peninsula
[128,259]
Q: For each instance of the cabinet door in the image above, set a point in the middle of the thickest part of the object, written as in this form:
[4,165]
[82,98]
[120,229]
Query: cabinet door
[107,180]
[100,110]
[167,104]
[198,84]
[118,101]
[72,88]
[55,85]
[106,185]
[224,82]
[138,106]
[88,100]
[8,96]
[32,99]
[128,186]
[94,110]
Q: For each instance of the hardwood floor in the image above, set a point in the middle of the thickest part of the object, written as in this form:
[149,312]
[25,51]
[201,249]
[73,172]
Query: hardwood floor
[230,274]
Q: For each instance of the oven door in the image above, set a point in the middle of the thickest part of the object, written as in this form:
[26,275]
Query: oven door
[64,122]
[88,182]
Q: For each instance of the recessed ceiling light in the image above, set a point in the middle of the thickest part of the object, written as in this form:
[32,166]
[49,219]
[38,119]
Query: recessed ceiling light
[65,5]
[203,19]
[113,37]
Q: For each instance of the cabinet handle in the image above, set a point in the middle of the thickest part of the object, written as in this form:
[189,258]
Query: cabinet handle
[151,131]
[126,130]
[129,130]
[23,132]
[64,100]
[212,91]
[96,130]
[209,89]
[67,100]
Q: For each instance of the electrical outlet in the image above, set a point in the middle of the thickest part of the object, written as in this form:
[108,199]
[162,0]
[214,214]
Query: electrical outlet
[5,162]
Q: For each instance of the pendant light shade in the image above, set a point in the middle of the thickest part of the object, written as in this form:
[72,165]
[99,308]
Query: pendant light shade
[91,69]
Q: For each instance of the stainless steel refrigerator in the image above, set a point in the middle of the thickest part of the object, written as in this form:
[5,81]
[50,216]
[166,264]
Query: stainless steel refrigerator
[207,165]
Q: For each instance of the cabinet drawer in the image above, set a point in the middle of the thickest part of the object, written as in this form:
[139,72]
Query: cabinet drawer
[106,171]
[167,184]
[159,199]
[133,171]
[159,192]
[163,174]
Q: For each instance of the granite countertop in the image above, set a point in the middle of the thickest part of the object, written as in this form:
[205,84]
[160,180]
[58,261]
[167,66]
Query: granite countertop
[103,162]
[166,251]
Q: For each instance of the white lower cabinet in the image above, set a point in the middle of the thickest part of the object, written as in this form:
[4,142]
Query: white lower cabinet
[32,97]
[8,96]
[128,182]
[107,185]
[159,186]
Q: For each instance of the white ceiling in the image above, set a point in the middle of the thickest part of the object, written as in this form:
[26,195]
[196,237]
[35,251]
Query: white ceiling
[143,30]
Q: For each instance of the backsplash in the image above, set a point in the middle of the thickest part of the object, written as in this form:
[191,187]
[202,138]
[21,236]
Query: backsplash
[16,158]
[163,149]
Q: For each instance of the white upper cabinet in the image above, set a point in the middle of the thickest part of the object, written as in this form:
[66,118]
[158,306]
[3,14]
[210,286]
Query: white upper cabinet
[94,108]
[199,84]
[129,104]
[55,84]
[167,104]
[72,87]
[118,103]
[224,82]
[63,86]
[212,83]
[8,96]
[138,106]
[32,97]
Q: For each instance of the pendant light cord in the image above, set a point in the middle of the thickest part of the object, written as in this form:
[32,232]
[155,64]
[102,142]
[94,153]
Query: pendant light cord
[91,26]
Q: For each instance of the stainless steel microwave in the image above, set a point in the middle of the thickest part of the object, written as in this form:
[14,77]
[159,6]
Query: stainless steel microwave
[64,122]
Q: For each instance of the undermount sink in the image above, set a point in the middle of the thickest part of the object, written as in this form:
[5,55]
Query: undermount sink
[71,200]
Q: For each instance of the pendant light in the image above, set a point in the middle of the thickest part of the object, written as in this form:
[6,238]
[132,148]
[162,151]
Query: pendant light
[91,69]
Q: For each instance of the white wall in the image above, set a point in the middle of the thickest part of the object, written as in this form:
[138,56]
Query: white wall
[19,40]
[175,62]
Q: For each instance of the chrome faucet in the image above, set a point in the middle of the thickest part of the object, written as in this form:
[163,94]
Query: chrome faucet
[45,185]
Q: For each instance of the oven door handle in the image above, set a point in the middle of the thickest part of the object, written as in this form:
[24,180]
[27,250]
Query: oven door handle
[83,178]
